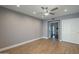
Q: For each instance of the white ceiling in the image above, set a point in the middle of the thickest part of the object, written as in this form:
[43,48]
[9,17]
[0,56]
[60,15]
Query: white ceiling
[29,9]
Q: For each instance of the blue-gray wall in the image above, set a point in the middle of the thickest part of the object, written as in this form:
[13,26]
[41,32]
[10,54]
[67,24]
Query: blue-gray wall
[16,28]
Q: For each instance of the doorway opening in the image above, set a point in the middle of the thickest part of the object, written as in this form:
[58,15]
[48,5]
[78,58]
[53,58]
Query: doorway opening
[53,30]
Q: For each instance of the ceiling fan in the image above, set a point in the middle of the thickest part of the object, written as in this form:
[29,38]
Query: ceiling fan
[46,11]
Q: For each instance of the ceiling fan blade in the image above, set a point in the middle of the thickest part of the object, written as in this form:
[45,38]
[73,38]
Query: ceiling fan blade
[52,13]
[54,9]
[42,7]
[46,7]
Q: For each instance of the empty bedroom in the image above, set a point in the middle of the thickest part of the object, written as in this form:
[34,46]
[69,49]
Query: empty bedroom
[39,29]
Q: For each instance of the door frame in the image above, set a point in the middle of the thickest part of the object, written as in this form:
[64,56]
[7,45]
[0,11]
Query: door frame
[59,33]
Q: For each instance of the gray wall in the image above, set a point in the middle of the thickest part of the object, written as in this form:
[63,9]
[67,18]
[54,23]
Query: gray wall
[16,28]
[64,17]
[45,29]
[70,30]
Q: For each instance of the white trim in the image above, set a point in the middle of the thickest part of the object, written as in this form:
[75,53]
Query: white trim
[19,44]
[70,42]
[45,37]
[60,40]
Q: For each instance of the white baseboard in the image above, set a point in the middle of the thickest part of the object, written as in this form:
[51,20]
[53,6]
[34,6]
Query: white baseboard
[70,42]
[45,37]
[19,44]
[60,40]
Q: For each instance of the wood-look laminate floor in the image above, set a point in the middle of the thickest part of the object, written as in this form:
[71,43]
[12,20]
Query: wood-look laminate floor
[44,46]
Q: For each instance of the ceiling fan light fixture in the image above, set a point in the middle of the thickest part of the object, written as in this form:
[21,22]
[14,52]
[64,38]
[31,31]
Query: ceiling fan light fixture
[45,10]
[46,14]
